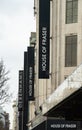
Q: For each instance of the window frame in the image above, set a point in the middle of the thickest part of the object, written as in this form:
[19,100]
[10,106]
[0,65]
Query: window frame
[70,16]
[69,55]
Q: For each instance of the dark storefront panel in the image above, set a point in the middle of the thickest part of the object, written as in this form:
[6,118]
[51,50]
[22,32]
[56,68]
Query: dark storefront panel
[53,124]
[70,108]
[63,125]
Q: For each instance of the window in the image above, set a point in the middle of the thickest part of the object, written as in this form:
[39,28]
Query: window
[71,11]
[71,51]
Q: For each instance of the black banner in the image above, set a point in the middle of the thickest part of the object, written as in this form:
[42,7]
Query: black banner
[30,89]
[20,92]
[25,100]
[20,122]
[44,38]
[61,124]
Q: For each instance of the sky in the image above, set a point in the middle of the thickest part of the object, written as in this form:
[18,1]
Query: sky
[17,21]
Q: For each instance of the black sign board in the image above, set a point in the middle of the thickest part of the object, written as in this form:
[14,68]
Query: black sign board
[63,125]
[20,92]
[25,101]
[30,84]
[20,125]
[44,38]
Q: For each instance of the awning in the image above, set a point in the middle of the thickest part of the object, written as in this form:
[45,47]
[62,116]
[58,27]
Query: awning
[66,100]
[40,126]
[70,108]
[38,121]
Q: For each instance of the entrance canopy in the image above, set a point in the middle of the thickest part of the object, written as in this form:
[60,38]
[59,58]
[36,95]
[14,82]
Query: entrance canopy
[66,100]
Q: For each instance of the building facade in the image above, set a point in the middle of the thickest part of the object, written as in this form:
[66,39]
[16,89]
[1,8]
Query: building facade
[65,48]
[65,45]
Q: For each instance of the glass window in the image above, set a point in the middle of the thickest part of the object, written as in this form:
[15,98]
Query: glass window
[71,11]
[71,51]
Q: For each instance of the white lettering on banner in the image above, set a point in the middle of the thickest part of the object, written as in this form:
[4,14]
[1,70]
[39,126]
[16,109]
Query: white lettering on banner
[63,126]
[44,35]
[44,62]
[44,49]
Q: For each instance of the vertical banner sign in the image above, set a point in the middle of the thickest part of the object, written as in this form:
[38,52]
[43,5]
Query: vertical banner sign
[20,125]
[20,92]
[30,73]
[25,101]
[44,38]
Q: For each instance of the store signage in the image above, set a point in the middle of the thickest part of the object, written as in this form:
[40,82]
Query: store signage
[44,38]
[20,92]
[30,84]
[63,125]
[25,101]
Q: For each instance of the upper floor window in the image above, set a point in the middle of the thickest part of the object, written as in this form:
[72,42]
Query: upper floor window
[71,51]
[71,11]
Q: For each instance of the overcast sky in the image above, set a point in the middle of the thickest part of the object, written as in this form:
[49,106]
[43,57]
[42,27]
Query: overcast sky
[16,23]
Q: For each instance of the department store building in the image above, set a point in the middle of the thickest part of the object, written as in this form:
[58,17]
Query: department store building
[58,66]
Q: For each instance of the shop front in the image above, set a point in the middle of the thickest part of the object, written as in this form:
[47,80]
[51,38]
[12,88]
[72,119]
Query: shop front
[59,124]
[66,115]
[63,109]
